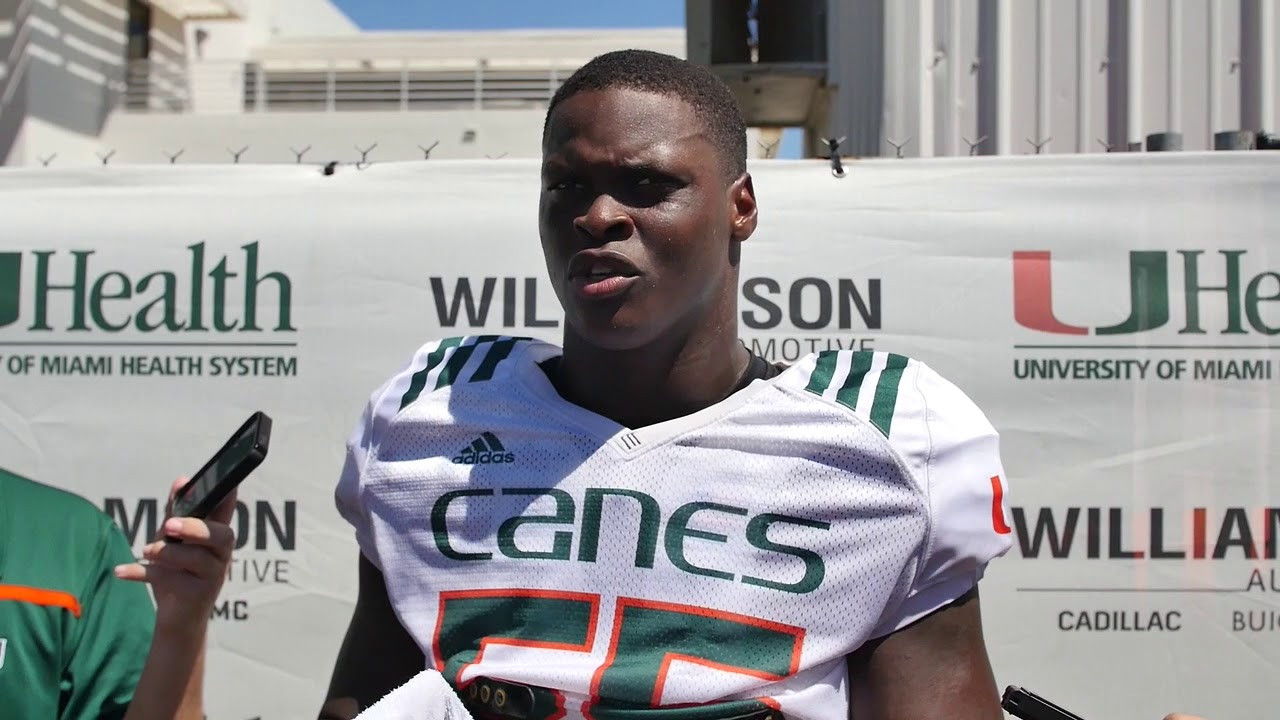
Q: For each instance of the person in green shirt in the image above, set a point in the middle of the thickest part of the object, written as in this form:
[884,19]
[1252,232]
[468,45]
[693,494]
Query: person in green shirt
[79,642]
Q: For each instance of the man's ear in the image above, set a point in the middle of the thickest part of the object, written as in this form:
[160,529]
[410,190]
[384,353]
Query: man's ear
[742,208]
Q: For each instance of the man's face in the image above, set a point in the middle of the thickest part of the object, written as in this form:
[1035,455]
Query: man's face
[635,216]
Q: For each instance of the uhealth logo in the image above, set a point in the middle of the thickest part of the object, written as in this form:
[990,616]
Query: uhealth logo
[218,293]
[10,287]
[1247,297]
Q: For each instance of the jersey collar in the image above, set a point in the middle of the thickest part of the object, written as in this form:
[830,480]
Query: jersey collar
[625,441]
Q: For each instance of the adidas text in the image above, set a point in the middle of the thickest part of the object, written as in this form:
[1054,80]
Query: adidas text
[470,457]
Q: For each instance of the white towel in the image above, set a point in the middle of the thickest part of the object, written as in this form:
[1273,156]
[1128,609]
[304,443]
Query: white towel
[427,696]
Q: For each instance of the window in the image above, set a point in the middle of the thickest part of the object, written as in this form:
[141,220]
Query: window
[139,30]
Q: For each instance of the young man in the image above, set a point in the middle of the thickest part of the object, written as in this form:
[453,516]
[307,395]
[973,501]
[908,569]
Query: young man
[77,642]
[653,517]
[652,522]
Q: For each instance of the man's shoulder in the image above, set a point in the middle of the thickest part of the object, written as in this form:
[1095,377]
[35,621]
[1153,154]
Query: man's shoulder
[39,503]
[905,400]
[872,385]
[464,361]
[449,377]
[63,537]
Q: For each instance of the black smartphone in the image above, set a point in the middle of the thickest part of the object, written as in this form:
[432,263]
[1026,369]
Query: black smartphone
[1027,705]
[241,454]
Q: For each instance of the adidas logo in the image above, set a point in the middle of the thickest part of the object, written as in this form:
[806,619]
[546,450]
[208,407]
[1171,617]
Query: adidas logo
[484,450]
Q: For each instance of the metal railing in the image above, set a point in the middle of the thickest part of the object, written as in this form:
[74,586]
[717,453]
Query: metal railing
[155,87]
[406,89]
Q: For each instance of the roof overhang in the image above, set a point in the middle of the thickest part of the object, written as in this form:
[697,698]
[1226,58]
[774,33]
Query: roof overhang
[774,94]
[202,9]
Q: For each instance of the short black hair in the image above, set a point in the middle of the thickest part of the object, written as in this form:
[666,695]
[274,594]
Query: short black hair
[663,74]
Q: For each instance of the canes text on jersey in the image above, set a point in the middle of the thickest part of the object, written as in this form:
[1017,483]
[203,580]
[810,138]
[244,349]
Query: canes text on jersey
[675,530]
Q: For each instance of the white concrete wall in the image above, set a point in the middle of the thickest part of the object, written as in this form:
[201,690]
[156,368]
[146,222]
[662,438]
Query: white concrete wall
[222,40]
[148,139]
[265,22]
[331,136]
[38,140]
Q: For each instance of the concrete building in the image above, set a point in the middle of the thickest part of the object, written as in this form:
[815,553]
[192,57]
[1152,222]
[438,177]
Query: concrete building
[146,81]
[273,81]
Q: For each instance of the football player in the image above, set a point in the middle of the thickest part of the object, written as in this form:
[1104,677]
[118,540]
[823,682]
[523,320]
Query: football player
[650,521]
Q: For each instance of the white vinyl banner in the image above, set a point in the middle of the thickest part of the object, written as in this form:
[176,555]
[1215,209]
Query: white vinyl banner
[1117,317]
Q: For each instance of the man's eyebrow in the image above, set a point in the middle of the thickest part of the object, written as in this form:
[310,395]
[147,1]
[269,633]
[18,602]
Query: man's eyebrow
[639,163]
[554,164]
[642,165]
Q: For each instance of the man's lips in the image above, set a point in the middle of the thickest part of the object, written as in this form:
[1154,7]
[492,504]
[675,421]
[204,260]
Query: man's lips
[601,264]
[598,274]
[598,288]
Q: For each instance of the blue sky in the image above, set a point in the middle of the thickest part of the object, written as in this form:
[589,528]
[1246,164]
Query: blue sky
[516,14]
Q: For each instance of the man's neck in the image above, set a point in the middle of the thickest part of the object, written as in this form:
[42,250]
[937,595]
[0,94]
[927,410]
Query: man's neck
[652,384]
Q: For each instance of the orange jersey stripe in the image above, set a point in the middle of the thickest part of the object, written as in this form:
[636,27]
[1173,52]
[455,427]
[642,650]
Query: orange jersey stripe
[37,596]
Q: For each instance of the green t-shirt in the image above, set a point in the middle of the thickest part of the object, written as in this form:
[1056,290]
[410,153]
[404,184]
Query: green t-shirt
[73,637]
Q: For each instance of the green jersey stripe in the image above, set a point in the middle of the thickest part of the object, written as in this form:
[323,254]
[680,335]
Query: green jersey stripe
[820,378]
[498,352]
[847,395]
[419,380]
[455,363]
[886,397]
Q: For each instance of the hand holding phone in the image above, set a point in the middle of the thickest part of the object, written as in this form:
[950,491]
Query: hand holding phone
[1027,705]
[187,566]
[239,456]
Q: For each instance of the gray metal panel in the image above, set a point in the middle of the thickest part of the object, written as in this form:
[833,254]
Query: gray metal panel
[967,114]
[1164,71]
[1251,73]
[1229,68]
[947,75]
[1098,77]
[1063,65]
[988,90]
[697,21]
[1271,42]
[857,66]
[1117,60]
[1258,65]
[1153,91]
[901,103]
[1194,119]
[1022,91]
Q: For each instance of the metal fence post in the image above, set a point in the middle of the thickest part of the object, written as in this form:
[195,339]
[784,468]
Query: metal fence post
[260,89]
[1165,141]
[329,88]
[1235,140]
[404,84]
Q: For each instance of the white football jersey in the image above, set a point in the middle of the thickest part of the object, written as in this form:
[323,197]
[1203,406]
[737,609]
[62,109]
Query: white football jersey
[552,562]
